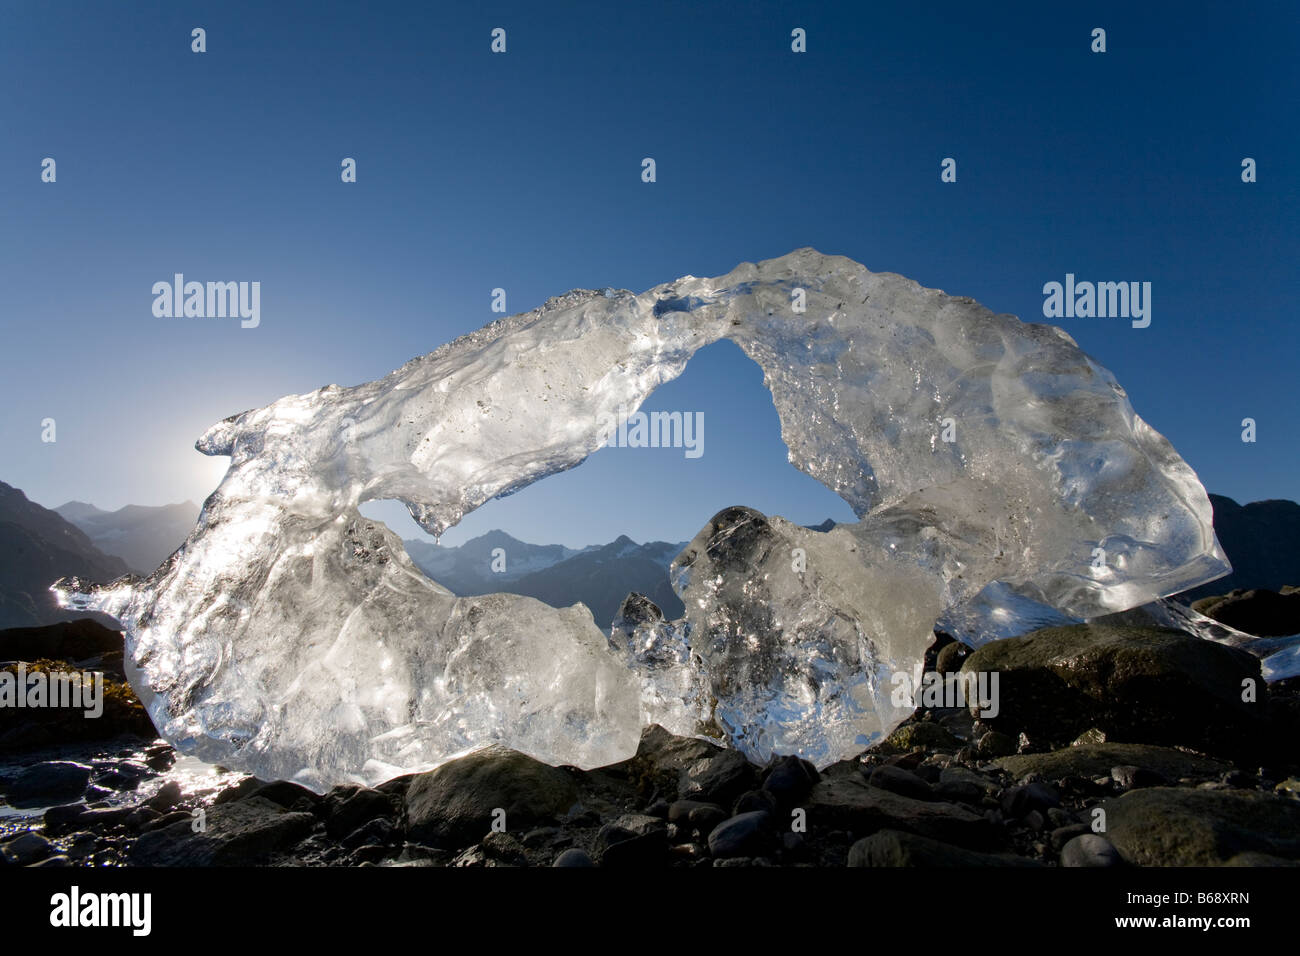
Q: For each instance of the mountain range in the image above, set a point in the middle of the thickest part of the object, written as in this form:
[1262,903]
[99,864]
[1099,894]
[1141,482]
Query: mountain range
[144,537]
[600,576]
[39,545]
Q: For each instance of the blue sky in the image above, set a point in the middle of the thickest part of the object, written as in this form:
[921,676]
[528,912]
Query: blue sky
[522,171]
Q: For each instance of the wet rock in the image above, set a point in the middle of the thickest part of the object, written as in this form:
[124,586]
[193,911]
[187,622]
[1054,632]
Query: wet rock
[159,757]
[167,819]
[240,833]
[1164,826]
[895,848]
[139,818]
[118,775]
[456,802]
[168,795]
[47,783]
[25,849]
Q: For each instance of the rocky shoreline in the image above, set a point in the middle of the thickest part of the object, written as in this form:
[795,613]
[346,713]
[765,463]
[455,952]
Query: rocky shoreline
[1112,745]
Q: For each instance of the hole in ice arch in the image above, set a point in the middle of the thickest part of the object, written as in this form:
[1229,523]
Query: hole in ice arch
[612,524]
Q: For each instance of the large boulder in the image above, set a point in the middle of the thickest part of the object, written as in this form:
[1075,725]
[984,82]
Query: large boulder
[240,833]
[1165,826]
[1096,760]
[1145,684]
[46,784]
[455,804]
[664,762]
[847,802]
[1260,611]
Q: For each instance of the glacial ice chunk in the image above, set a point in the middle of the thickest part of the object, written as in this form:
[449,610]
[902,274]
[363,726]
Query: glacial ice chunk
[291,637]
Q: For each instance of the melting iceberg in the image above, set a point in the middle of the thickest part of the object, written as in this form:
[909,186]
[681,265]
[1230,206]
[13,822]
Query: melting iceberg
[293,638]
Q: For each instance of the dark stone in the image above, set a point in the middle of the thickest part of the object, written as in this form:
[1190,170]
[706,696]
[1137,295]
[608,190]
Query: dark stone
[1261,612]
[789,779]
[288,795]
[63,819]
[894,848]
[1129,777]
[951,657]
[1132,683]
[1020,801]
[680,810]
[168,795]
[753,800]
[245,788]
[456,802]
[346,809]
[167,819]
[377,831]
[1088,761]
[1091,850]
[26,849]
[749,834]
[159,757]
[638,850]
[719,778]
[847,803]
[138,818]
[46,783]
[901,782]
[662,760]
[1165,826]
[704,818]
[1064,834]
[240,833]
[573,857]
[995,744]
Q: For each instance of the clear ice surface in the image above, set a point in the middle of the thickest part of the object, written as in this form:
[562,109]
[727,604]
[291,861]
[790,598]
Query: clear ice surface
[292,638]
